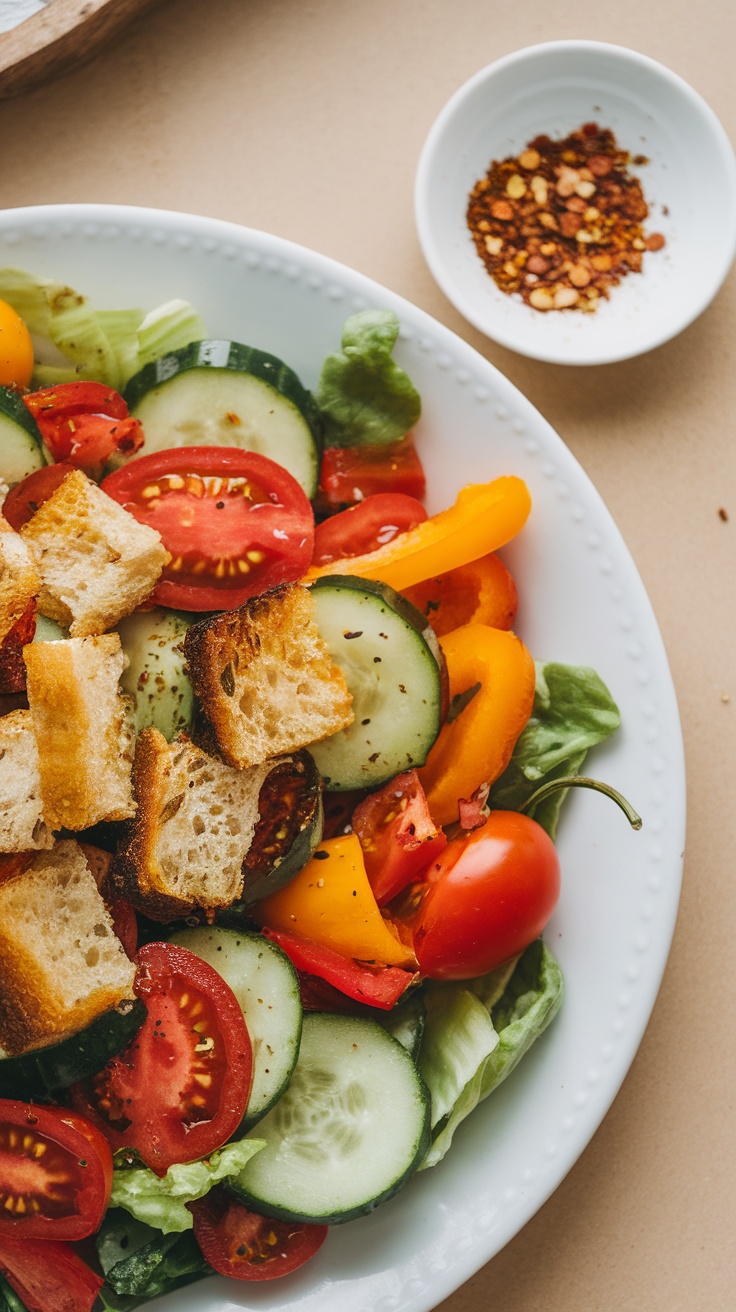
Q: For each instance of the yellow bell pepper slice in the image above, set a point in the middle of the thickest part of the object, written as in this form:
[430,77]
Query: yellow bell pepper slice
[331,902]
[476,746]
[484,517]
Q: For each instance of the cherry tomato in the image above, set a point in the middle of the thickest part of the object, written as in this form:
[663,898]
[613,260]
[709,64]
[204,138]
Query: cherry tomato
[16,349]
[180,1088]
[245,1246]
[349,474]
[397,834]
[24,499]
[55,1173]
[485,899]
[235,522]
[48,1276]
[367,526]
[84,423]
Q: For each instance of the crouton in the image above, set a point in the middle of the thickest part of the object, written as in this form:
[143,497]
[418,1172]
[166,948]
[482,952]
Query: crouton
[22,826]
[83,732]
[19,579]
[61,964]
[96,562]
[266,682]
[192,830]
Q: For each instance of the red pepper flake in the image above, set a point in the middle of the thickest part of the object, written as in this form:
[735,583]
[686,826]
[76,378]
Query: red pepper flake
[562,223]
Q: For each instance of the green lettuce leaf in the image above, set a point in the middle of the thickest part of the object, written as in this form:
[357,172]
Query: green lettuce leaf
[73,340]
[364,397]
[139,1262]
[161,1201]
[573,710]
[470,1045]
[529,1002]
[167,328]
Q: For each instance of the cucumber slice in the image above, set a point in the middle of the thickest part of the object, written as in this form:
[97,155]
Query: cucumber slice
[220,393]
[156,677]
[49,631]
[350,1130]
[395,671]
[21,447]
[266,986]
[38,1073]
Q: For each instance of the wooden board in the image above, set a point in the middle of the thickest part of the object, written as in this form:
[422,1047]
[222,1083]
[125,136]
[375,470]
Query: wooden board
[65,33]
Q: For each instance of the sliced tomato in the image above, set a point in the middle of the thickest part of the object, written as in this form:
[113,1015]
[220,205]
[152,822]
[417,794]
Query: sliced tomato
[397,834]
[84,423]
[235,522]
[338,812]
[246,1246]
[24,499]
[377,986]
[350,474]
[180,1089]
[125,924]
[367,526]
[55,1173]
[48,1276]
[12,665]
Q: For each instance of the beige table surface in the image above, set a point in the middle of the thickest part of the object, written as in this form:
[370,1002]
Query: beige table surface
[306,118]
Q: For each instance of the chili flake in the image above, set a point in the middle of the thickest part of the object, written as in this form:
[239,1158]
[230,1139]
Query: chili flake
[562,223]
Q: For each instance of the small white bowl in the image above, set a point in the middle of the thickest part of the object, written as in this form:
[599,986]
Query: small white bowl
[689,183]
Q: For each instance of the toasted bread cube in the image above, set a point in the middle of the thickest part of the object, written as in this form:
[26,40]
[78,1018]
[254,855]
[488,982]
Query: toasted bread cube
[82,730]
[96,562]
[193,827]
[19,580]
[22,826]
[61,964]
[266,682]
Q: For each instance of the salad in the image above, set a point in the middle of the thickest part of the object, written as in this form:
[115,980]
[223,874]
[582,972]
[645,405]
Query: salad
[400,868]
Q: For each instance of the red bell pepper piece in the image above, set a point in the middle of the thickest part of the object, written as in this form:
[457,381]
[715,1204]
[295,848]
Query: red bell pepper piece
[380,986]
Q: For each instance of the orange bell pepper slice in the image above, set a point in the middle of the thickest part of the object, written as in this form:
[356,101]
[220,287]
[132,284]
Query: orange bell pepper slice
[331,902]
[481,592]
[475,747]
[484,517]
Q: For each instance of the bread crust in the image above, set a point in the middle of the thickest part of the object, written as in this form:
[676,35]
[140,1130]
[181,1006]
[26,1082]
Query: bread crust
[175,785]
[265,680]
[19,579]
[22,827]
[78,716]
[56,974]
[95,561]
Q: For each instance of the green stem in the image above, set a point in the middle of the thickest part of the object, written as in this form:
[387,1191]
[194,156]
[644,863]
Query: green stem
[583,781]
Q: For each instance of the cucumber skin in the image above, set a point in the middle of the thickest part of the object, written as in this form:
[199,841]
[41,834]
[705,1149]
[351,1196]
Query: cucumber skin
[304,845]
[11,405]
[187,938]
[258,1204]
[412,616]
[40,1072]
[242,359]
[404,608]
[13,409]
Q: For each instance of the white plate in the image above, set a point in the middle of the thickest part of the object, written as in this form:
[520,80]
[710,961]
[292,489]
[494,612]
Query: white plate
[581,601]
